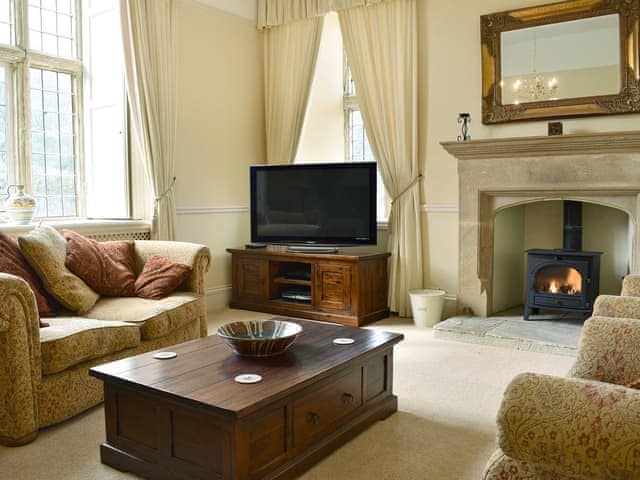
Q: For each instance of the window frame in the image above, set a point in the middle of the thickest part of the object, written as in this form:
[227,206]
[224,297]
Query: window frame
[21,58]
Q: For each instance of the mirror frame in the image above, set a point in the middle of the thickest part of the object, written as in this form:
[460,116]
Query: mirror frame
[626,101]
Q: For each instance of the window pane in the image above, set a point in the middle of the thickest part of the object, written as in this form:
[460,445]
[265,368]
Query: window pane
[52,142]
[360,151]
[51,27]
[6,22]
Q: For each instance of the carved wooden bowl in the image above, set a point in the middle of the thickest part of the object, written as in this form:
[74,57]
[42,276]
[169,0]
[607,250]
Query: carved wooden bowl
[259,338]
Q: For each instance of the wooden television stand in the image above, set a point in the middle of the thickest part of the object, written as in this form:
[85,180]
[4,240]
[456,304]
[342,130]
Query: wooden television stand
[347,287]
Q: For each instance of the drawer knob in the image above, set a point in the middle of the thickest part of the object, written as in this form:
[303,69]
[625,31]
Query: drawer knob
[314,418]
[347,398]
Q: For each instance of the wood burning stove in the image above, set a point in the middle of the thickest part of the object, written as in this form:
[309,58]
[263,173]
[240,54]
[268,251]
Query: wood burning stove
[564,279]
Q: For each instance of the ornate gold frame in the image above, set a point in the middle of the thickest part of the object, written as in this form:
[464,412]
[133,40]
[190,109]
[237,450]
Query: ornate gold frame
[627,101]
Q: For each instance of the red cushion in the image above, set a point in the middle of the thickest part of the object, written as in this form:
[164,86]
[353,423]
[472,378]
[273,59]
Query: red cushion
[108,267]
[13,262]
[160,277]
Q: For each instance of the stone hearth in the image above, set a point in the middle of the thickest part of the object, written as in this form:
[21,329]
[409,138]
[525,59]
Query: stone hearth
[496,174]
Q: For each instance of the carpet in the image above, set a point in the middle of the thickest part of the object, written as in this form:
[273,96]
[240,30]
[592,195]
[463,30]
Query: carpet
[449,393]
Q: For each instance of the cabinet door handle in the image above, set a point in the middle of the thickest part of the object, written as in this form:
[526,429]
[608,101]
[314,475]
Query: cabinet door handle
[314,418]
[347,398]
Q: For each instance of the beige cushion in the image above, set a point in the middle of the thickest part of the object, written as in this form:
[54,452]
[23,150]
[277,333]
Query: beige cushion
[69,341]
[46,251]
[156,318]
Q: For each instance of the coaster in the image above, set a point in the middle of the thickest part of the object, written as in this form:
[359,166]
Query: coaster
[165,355]
[248,378]
[343,341]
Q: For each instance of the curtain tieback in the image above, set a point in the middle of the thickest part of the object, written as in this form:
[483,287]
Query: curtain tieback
[413,183]
[166,192]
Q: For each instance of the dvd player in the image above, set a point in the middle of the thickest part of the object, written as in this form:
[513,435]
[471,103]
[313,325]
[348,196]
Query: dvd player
[296,294]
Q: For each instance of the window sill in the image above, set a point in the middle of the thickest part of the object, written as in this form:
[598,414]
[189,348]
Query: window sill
[81,225]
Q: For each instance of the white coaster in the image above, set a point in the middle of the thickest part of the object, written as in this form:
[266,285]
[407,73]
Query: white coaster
[248,378]
[165,355]
[343,341]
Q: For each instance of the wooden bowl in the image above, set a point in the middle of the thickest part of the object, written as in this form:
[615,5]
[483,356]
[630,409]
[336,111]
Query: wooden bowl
[259,338]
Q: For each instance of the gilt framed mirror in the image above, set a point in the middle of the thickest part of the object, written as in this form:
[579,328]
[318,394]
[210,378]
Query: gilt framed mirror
[569,59]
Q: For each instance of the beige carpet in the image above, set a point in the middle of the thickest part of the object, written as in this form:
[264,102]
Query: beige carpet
[448,392]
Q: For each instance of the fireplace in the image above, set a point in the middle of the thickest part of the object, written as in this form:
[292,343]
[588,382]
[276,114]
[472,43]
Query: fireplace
[564,279]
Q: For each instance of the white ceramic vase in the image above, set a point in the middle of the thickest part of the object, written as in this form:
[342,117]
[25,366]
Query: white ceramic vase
[20,207]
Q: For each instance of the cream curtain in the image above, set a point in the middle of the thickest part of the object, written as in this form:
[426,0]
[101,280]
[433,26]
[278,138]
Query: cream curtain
[280,12]
[381,45]
[290,53]
[148,29]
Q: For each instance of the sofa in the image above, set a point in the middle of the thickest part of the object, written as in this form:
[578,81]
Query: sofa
[44,371]
[584,426]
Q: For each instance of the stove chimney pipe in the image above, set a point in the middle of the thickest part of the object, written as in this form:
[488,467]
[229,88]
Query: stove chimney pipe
[572,227]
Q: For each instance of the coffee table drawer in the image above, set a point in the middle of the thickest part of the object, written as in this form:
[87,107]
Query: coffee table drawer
[319,409]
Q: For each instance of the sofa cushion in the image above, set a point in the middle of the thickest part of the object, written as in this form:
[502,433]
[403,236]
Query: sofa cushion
[160,277]
[107,267]
[72,340]
[46,250]
[156,318]
[13,262]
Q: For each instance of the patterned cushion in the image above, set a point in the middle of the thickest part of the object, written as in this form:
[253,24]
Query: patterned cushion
[156,318]
[13,262]
[46,251]
[160,277]
[72,340]
[107,267]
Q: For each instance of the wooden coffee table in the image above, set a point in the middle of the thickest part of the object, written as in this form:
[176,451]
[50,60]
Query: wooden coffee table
[186,418]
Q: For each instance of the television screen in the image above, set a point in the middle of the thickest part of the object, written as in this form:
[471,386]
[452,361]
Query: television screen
[314,203]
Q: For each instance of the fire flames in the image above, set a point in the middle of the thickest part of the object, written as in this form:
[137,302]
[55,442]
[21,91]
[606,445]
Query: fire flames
[560,280]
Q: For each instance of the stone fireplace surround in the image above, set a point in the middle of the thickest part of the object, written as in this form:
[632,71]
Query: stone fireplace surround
[495,174]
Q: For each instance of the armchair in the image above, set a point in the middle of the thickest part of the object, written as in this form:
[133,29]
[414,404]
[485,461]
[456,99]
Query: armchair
[585,426]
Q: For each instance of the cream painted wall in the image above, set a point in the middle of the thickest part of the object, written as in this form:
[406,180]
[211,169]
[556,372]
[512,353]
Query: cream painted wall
[322,137]
[508,268]
[450,72]
[220,132]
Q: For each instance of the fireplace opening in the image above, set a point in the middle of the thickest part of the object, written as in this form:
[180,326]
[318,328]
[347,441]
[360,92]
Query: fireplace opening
[560,280]
[548,259]
[563,279]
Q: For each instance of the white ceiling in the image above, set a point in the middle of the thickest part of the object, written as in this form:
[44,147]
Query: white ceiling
[243,8]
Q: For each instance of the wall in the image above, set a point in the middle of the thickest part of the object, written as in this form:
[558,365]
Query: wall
[322,137]
[220,132]
[508,268]
[450,82]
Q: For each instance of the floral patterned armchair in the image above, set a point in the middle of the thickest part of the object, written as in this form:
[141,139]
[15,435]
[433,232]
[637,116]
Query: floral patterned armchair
[585,426]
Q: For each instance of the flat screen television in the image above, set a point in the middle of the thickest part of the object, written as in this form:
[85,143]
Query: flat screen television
[323,204]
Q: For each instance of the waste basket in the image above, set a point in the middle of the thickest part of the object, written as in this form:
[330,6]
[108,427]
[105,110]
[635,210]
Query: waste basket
[426,306]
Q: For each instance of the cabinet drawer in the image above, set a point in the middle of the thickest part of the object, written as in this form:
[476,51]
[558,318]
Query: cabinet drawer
[317,411]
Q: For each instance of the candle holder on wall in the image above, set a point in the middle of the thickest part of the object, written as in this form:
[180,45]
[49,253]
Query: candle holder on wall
[465,120]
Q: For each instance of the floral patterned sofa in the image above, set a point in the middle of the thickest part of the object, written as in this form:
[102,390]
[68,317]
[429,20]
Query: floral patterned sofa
[44,371]
[585,426]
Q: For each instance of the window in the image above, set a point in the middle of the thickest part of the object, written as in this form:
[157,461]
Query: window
[46,79]
[357,148]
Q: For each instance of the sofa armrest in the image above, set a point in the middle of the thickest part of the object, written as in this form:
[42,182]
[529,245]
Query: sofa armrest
[573,427]
[196,256]
[616,306]
[631,286]
[20,361]
[609,351]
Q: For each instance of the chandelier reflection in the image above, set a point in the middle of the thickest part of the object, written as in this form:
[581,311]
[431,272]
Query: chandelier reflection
[534,87]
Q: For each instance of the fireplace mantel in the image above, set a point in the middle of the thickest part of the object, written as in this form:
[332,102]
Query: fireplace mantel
[575,144]
[494,174]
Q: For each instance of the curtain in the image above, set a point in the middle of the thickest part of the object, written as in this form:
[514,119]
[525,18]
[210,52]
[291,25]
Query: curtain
[279,12]
[148,30]
[291,52]
[381,45]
